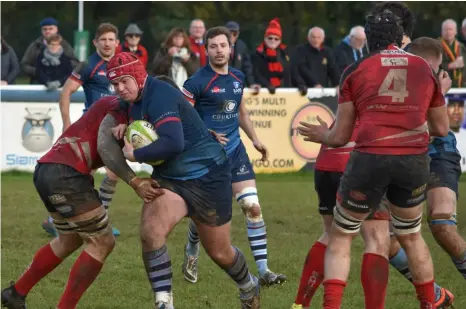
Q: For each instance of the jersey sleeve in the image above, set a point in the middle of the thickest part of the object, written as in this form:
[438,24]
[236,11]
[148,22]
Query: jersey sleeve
[81,73]
[345,93]
[191,91]
[164,107]
[120,112]
[438,98]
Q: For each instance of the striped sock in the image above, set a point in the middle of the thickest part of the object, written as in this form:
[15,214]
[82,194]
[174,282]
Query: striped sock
[461,264]
[193,240]
[159,271]
[106,191]
[239,272]
[258,241]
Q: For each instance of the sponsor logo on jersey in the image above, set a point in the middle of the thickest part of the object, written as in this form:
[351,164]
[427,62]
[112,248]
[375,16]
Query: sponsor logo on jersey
[217,89]
[101,73]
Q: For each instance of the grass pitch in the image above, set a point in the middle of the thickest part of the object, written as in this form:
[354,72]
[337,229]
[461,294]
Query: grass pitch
[289,204]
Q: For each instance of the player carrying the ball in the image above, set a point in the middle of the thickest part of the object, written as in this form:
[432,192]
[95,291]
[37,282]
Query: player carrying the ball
[216,92]
[195,177]
[64,182]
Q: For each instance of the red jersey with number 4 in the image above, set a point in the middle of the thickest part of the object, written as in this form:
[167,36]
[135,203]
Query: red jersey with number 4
[77,146]
[392,91]
[335,159]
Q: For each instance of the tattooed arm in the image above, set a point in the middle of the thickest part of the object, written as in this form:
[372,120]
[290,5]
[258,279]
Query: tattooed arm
[110,151]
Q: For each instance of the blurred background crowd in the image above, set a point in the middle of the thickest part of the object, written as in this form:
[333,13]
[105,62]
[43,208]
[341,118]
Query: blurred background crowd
[270,45]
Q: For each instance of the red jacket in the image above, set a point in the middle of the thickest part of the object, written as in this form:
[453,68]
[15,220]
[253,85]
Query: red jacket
[199,50]
[141,52]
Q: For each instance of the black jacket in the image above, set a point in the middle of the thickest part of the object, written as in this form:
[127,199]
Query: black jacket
[261,68]
[344,55]
[242,61]
[45,74]
[10,64]
[312,67]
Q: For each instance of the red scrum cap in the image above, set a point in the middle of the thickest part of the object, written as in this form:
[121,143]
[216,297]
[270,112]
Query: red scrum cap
[126,64]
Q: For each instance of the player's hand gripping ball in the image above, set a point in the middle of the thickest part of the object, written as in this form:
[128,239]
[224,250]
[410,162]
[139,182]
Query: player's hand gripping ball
[141,133]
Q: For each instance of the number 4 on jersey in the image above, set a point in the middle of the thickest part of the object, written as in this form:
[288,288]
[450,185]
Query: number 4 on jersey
[394,85]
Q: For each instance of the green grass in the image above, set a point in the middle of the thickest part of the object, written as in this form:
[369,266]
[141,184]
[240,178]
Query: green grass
[293,224]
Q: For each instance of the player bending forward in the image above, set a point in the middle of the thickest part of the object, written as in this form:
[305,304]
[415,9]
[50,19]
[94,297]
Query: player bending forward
[216,92]
[195,178]
[390,154]
[62,179]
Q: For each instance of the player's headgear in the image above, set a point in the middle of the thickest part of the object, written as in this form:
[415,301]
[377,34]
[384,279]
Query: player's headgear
[127,64]
[383,29]
[402,11]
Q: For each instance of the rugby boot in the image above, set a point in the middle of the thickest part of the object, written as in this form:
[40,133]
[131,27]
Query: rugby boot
[446,299]
[189,267]
[270,278]
[165,301]
[161,305]
[250,299]
[296,306]
[49,227]
[11,299]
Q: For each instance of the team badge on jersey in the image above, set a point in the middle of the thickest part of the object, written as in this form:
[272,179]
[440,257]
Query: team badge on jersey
[229,106]
[237,89]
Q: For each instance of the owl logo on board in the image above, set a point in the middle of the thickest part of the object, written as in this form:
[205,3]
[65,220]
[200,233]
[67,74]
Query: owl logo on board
[37,132]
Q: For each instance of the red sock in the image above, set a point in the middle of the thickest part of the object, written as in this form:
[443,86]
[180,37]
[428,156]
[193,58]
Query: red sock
[333,293]
[84,271]
[426,294]
[374,279]
[312,275]
[42,264]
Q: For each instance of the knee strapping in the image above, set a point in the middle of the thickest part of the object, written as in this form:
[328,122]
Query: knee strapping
[63,227]
[248,199]
[344,221]
[442,219]
[96,226]
[406,226]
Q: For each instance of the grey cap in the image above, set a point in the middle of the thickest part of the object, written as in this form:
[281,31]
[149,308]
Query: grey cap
[232,26]
[133,29]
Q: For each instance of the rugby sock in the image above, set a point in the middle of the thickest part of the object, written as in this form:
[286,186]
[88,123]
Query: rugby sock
[84,271]
[106,191]
[333,293]
[426,294]
[312,275]
[159,271]
[193,240]
[461,264]
[258,241]
[43,263]
[400,262]
[239,272]
[374,279]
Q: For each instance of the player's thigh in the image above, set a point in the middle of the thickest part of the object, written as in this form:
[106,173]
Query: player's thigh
[407,189]
[214,238]
[441,200]
[363,183]
[241,167]
[238,187]
[444,173]
[326,184]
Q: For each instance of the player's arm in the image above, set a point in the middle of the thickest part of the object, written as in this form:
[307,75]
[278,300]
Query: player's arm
[341,132]
[71,85]
[437,117]
[245,122]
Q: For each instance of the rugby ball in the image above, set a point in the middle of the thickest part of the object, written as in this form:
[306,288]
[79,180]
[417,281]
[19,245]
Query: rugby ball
[141,133]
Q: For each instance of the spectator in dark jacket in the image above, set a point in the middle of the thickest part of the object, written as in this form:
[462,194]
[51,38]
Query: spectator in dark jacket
[351,49]
[53,67]
[49,27]
[240,58]
[314,64]
[270,62]
[132,44]
[10,64]
[175,58]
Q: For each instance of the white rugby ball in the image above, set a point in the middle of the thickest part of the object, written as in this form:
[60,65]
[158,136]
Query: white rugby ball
[141,133]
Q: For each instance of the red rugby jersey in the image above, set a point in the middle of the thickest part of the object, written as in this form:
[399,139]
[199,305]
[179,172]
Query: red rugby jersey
[392,91]
[77,146]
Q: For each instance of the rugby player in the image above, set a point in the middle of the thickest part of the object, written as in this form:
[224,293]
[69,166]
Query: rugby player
[64,182]
[445,166]
[195,177]
[91,75]
[390,154]
[216,92]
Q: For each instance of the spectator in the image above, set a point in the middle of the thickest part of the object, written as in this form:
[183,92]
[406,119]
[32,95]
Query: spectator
[463,32]
[10,64]
[175,59]
[271,61]
[133,36]
[239,57]
[196,38]
[49,27]
[351,49]
[314,64]
[454,54]
[53,67]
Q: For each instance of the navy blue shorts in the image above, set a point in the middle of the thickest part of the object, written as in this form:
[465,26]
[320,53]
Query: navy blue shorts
[208,198]
[444,174]
[241,167]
